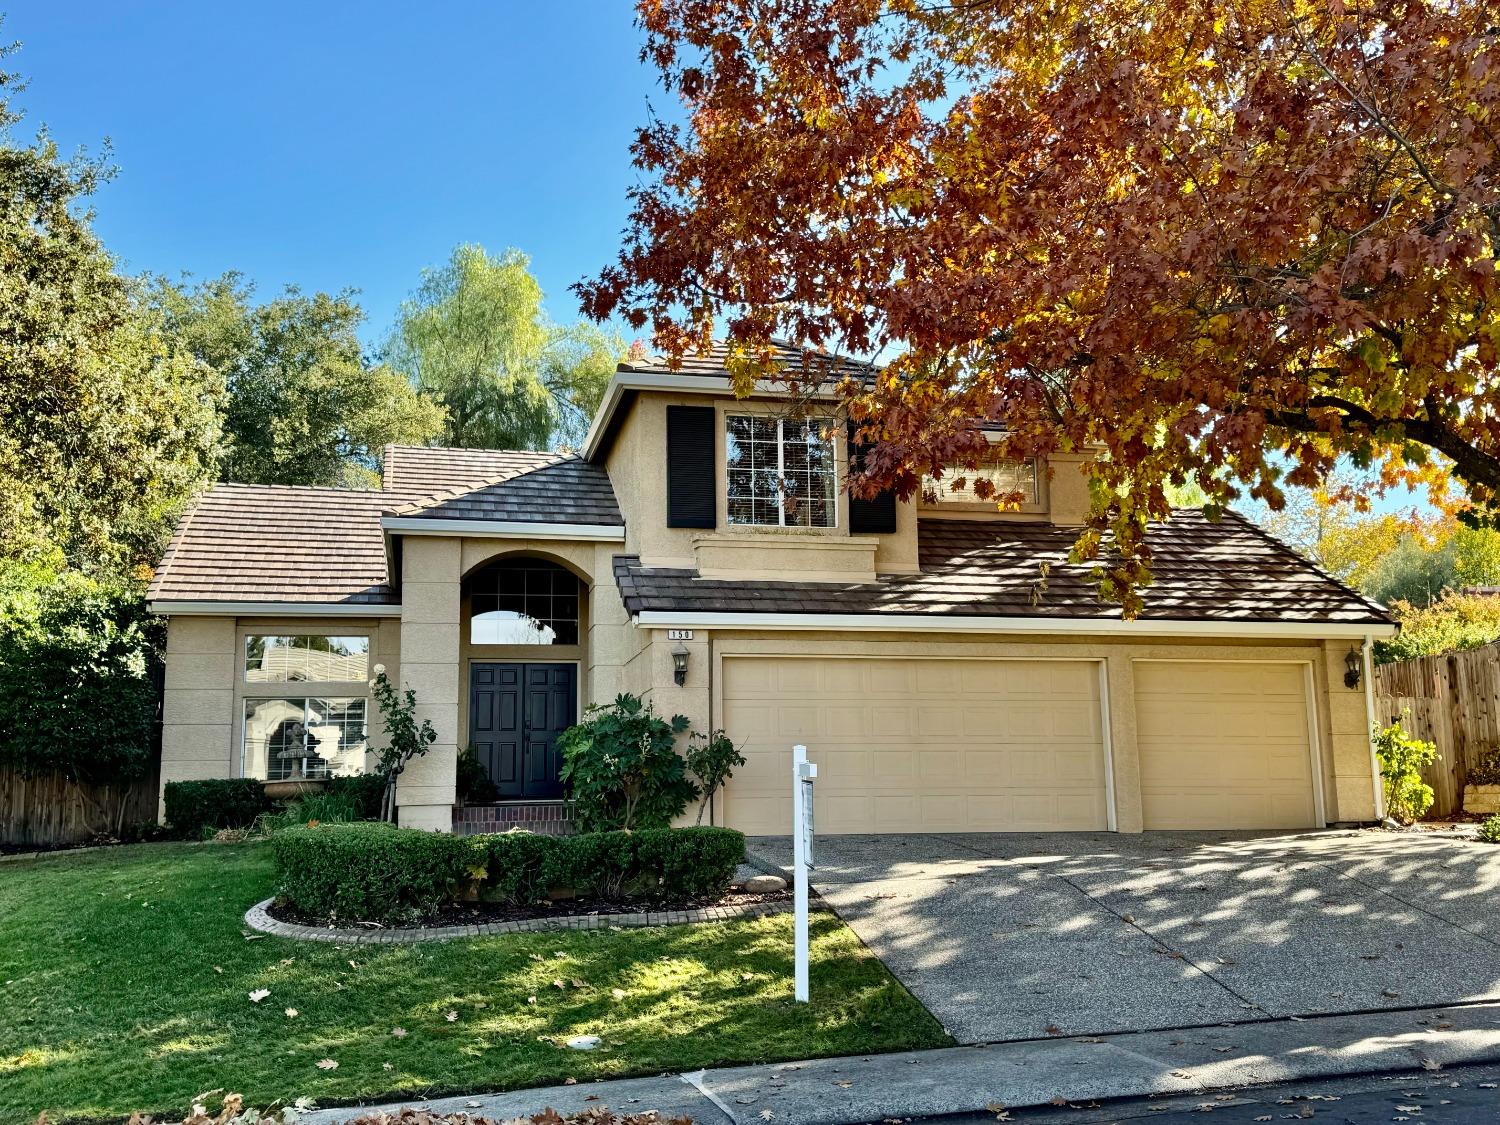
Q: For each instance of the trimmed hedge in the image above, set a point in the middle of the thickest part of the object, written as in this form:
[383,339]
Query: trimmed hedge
[380,873]
[370,871]
[231,802]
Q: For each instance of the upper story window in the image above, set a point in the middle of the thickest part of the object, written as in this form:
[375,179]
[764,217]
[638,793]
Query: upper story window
[781,472]
[306,657]
[1009,478]
[523,602]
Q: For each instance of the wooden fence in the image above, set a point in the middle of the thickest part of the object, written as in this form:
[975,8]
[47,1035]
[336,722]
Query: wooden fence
[1454,702]
[49,809]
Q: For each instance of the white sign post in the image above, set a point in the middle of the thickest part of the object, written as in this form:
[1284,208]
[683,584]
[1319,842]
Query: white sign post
[803,773]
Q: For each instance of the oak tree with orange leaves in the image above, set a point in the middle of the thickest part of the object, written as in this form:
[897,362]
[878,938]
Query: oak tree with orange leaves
[1230,240]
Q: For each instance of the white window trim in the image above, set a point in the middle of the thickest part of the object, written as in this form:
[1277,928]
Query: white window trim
[780,477]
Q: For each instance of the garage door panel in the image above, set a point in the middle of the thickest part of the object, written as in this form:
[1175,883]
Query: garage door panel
[1224,745]
[919,745]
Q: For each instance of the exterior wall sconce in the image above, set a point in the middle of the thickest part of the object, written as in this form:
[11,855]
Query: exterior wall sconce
[679,664]
[1354,664]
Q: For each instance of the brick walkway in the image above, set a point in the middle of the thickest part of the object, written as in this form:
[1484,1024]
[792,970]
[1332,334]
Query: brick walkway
[257,918]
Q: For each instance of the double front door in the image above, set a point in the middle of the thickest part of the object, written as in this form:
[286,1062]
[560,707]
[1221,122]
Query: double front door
[516,712]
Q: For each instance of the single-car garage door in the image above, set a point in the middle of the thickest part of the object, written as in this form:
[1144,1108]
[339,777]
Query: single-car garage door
[1224,745]
[913,745]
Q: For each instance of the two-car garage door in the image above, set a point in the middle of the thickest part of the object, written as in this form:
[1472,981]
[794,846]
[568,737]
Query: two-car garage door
[980,745]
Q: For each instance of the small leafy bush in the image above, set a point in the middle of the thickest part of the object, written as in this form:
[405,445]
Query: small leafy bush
[363,791]
[1401,758]
[405,738]
[712,759]
[371,871]
[1489,831]
[622,767]
[474,785]
[230,802]
[663,864]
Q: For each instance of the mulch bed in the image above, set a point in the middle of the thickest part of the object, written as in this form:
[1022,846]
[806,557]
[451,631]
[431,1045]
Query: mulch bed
[478,913]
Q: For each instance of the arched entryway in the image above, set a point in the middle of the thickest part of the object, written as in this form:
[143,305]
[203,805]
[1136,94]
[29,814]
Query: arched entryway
[524,631]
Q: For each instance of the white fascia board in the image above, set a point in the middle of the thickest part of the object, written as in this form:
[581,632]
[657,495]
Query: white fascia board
[623,381]
[271,609]
[504,529]
[938,623]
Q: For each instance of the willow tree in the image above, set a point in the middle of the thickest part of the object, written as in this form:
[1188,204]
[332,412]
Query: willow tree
[475,338]
[1231,242]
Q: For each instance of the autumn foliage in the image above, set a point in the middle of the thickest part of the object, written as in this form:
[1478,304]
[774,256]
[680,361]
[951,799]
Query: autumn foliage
[1229,241]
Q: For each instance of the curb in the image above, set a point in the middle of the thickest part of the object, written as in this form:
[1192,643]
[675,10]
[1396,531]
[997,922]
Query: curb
[259,918]
[1019,1075]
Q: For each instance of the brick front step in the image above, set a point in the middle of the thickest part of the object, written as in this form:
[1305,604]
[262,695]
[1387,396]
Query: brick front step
[545,818]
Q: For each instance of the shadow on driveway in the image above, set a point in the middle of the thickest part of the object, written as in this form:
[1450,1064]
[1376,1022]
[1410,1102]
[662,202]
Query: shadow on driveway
[1018,936]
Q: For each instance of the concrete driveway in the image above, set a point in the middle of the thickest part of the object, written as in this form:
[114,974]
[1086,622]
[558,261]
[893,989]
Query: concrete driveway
[1020,936]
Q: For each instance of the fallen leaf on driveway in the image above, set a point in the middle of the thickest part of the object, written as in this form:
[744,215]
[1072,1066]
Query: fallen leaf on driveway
[766,1115]
[843,1084]
[327,1064]
[1052,1029]
[259,994]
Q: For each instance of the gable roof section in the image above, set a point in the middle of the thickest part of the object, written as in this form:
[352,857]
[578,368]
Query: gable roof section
[425,471]
[792,358]
[1229,573]
[565,490]
[242,544]
[269,543]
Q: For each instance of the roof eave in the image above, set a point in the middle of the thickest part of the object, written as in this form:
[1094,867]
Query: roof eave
[503,529]
[182,607]
[969,623]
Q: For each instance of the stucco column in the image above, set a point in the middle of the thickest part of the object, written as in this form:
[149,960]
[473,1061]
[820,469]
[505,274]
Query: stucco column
[197,734]
[693,698]
[1124,752]
[430,568]
[1346,739]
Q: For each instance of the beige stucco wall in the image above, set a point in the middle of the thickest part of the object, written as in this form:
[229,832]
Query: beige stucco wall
[203,704]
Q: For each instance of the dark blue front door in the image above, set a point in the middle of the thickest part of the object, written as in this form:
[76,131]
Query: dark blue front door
[516,712]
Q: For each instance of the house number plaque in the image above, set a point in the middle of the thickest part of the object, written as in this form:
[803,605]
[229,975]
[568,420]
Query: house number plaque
[679,634]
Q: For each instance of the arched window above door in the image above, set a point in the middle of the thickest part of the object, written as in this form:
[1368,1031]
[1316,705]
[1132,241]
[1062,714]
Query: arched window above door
[524,601]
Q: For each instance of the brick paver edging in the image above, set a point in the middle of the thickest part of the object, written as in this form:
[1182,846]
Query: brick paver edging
[257,918]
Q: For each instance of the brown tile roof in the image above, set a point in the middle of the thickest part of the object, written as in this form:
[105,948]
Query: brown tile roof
[254,543]
[427,471]
[565,490]
[270,543]
[1229,571]
[795,360]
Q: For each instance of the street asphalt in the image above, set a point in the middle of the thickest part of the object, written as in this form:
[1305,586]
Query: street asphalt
[1021,936]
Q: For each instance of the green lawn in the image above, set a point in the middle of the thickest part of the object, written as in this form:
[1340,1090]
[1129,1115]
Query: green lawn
[125,974]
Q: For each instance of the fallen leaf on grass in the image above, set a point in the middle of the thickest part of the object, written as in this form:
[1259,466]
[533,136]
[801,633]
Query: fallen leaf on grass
[531,999]
[327,1064]
[291,1013]
[451,1017]
[217,969]
[398,1032]
[558,983]
[617,993]
[386,1066]
[259,994]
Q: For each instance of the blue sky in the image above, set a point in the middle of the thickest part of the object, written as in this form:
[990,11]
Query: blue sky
[336,145]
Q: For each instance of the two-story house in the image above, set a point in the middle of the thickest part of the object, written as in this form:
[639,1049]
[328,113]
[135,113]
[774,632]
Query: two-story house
[701,552]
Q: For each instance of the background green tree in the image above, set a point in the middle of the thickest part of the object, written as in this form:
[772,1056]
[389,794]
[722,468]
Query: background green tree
[474,338]
[304,406]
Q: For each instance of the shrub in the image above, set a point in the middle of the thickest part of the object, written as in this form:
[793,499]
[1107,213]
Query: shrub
[371,871]
[712,759]
[1402,757]
[313,808]
[363,791]
[78,666]
[666,864]
[1451,624]
[1489,831]
[231,802]
[623,769]
[1486,770]
[474,785]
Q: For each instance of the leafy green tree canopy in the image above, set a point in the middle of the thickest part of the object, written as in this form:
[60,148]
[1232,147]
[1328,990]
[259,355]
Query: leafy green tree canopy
[304,407]
[475,338]
[105,430]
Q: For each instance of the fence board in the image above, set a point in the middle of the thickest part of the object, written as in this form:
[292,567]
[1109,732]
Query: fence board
[49,809]
[1454,702]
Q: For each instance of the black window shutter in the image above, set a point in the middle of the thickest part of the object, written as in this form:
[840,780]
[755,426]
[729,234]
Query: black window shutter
[876,516]
[690,466]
